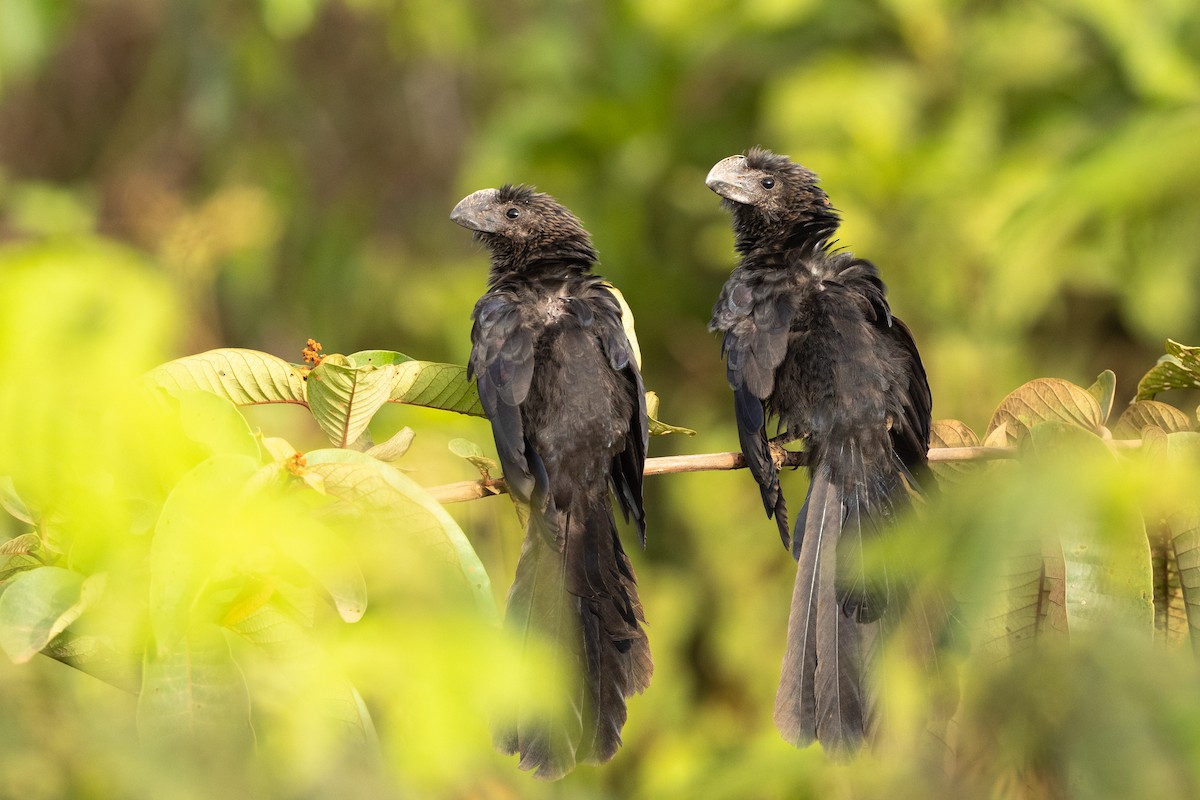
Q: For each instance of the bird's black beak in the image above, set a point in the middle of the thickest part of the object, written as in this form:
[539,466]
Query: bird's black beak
[728,178]
[477,211]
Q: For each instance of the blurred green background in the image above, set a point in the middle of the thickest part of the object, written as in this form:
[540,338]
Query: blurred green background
[1024,173]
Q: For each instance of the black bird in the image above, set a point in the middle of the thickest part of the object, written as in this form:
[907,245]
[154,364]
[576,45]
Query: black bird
[810,340]
[559,381]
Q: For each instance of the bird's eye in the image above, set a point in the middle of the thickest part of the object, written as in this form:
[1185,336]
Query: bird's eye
[767,183]
[512,213]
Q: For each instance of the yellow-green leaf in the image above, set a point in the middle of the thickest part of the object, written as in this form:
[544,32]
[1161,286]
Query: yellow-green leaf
[1143,414]
[1104,390]
[1045,400]
[246,377]
[1178,369]
[658,427]
[952,433]
[194,689]
[39,604]
[344,398]
[383,490]
[434,385]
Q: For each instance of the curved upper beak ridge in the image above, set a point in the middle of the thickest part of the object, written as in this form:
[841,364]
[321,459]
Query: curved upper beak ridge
[471,211]
[728,178]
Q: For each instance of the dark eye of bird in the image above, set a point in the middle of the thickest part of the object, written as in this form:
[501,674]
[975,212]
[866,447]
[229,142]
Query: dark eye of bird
[512,213]
[767,183]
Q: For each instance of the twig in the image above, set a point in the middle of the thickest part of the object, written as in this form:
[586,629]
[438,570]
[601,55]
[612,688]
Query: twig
[706,462]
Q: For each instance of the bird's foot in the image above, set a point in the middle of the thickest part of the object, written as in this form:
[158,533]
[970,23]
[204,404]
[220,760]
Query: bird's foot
[779,455]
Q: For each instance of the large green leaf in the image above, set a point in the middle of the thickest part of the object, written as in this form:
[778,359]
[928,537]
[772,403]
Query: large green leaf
[1045,400]
[1143,414]
[1105,550]
[344,397]
[282,633]
[39,604]
[194,689]
[1178,369]
[195,540]
[330,561]
[1030,601]
[246,377]
[434,385]
[214,422]
[385,491]
[278,628]
[1180,589]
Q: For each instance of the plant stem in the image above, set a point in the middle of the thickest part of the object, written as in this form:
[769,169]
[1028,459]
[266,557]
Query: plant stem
[706,462]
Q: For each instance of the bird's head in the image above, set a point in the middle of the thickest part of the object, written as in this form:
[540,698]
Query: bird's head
[771,194]
[523,227]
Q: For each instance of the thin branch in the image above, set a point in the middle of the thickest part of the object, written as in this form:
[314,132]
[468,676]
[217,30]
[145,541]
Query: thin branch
[707,462]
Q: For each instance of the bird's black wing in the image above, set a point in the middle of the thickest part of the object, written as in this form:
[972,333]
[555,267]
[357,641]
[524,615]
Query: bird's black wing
[629,464]
[910,395]
[502,364]
[910,433]
[757,324]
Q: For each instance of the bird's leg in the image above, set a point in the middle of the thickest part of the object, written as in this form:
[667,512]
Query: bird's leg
[780,455]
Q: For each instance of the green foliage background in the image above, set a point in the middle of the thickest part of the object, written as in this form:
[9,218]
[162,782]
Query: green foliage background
[250,174]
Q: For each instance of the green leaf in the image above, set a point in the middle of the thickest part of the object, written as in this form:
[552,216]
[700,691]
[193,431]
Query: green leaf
[194,689]
[1106,552]
[953,433]
[330,561]
[11,502]
[344,398]
[278,448]
[1178,369]
[195,540]
[21,553]
[1031,599]
[1045,400]
[24,544]
[434,385]
[658,428]
[1142,414]
[400,501]
[245,377]
[39,604]
[215,423]
[395,447]
[14,564]
[1179,588]
[277,628]
[1104,390]
[100,657]
[282,632]
[377,358]
[465,448]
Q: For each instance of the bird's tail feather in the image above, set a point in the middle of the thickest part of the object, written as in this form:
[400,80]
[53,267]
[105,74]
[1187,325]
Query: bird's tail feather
[845,603]
[825,692]
[576,589]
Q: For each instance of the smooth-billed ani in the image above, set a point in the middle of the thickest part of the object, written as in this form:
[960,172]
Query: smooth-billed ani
[810,340]
[559,382]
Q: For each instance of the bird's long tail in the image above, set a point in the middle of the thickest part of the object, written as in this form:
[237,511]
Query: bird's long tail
[576,591]
[825,690]
[843,608]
